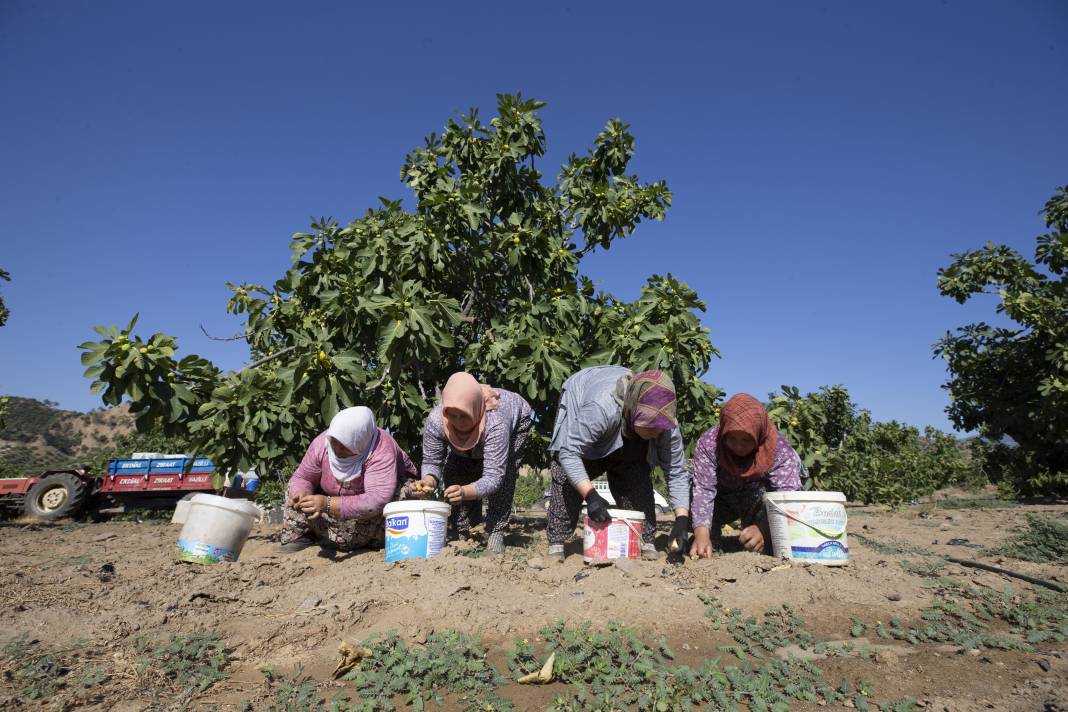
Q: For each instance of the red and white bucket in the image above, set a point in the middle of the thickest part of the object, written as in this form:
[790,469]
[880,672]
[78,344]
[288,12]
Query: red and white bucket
[618,538]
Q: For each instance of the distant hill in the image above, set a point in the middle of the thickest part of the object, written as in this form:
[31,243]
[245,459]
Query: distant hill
[38,435]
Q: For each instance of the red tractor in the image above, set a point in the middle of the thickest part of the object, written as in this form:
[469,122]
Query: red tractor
[145,483]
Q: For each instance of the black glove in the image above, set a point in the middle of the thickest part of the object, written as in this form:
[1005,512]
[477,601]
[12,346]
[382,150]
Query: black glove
[597,507]
[680,534]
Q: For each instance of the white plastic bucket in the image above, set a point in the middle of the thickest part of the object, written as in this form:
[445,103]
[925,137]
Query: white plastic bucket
[618,538]
[216,528]
[808,526]
[181,511]
[415,529]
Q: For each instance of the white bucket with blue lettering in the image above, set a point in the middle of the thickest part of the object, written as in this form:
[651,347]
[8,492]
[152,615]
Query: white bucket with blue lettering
[808,526]
[415,529]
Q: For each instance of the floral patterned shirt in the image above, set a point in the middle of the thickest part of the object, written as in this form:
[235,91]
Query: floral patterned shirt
[494,448]
[709,478]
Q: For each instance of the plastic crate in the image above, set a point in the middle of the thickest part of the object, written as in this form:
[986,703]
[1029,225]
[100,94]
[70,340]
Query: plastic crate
[170,466]
[197,481]
[164,481]
[128,467]
[202,464]
[125,482]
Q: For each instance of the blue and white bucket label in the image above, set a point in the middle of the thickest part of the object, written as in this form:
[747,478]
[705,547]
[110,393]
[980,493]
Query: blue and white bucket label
[414,536]
[200,552]
[812,531]
[826,551]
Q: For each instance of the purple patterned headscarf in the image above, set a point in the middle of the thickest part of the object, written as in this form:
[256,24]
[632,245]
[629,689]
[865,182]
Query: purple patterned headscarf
[648,400]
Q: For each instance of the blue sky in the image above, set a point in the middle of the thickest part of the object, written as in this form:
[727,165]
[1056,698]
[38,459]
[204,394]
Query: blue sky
[826,159]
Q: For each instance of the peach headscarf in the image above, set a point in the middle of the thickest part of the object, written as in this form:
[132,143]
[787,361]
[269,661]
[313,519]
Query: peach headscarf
[464,395]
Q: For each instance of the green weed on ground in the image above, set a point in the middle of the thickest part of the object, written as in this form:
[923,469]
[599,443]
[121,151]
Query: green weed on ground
[79,673]
[621,668]
[68,676]
[976,503]
[618,669]
[450,664]
[595,669]
[755,638]
[186,662]
[926,568]
[980,617]
[296,696]
[1042,540]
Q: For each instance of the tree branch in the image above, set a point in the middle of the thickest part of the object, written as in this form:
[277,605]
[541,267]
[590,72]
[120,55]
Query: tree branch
[469,301]
[590,247]
[235,337]
[272,357]
[465,308]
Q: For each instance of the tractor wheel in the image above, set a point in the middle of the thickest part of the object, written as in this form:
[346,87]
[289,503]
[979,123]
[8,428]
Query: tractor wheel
[56,496]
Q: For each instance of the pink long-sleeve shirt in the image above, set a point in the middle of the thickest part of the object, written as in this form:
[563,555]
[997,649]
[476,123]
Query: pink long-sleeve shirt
[365,495]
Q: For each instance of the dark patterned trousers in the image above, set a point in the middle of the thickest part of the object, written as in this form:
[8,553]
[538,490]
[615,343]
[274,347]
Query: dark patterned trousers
[459,470]
[340,534]
[747,505]
[629,480]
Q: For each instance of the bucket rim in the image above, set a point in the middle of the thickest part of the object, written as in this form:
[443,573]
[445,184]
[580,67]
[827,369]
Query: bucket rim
[806,496]
[626,514]
[238,506]
[415,505]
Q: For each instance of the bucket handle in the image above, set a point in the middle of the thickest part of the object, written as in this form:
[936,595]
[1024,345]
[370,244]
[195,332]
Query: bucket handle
[630,526]
[636,532]
[823,534]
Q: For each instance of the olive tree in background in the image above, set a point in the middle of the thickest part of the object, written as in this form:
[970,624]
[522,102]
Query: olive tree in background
[845,449]
[1012,382]
[482,274]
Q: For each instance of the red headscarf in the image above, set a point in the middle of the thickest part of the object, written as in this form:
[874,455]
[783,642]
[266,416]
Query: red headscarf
[744,414]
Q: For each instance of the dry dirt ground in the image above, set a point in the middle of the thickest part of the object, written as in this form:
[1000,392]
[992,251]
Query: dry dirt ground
[289,612]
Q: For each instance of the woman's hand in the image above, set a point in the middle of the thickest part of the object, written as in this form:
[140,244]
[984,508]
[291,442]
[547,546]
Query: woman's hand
[752,538]
[702,543]
[312,504]
[424,488]
[597,507]
[454,494]
[680,531]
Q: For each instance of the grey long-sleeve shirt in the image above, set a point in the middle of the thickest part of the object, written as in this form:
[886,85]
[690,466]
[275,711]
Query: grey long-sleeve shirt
[589,424]
[494,448]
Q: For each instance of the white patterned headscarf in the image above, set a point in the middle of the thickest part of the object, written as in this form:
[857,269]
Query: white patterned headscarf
[355,429]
